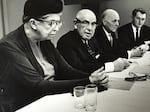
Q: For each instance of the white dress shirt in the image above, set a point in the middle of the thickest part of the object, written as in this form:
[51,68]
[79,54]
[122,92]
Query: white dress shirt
[109,66]
[134,31]
[108,35]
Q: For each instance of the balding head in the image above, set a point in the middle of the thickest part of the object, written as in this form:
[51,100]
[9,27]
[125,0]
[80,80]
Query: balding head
[110,20]
[85,23]
[86,13]
[110,13]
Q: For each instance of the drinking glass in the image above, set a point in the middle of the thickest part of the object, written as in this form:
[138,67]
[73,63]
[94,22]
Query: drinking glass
[91,97]
[78,92]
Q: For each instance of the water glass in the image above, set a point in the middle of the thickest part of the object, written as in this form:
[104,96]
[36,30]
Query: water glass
[78,92]
[91,91]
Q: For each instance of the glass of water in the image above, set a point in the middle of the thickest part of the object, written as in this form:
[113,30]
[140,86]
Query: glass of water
[91,97]
[78,92]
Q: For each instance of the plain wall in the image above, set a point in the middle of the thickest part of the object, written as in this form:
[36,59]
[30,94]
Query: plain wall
[125,7]
[14,12]
[1,25]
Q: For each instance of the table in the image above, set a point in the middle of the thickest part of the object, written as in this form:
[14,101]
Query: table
[137,99]
[112,100]
[139,65]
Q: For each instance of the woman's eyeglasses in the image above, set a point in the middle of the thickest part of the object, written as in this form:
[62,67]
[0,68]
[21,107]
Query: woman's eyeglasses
[51,23]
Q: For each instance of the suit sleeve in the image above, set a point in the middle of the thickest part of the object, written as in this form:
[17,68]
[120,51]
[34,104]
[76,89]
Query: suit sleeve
[71,55]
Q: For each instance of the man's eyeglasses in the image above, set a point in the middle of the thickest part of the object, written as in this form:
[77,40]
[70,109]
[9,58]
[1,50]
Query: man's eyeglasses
[85,22]
[51,23]
[135,77]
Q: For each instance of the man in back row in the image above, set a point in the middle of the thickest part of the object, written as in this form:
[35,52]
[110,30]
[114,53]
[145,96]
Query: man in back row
[81,50]
[135,33]
[106,35]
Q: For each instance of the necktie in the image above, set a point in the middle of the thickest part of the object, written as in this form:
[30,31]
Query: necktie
[89,48]
[137,34]
[111,39]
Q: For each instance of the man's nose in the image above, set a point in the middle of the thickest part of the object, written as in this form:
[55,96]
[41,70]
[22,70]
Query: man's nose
[117,23]
[140,22]
[89,26]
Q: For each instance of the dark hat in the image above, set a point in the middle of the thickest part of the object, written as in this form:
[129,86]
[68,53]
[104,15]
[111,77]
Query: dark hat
[38,8]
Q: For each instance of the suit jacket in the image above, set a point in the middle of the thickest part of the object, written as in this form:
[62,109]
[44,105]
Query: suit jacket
[21,76]
[126,36]
[75,52]
[111,52]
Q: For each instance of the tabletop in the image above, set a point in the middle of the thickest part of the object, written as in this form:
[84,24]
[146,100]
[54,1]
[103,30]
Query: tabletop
[112,100]
[136,98]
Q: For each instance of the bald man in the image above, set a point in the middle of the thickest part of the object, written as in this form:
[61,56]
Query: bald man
[106,36]
[81,50]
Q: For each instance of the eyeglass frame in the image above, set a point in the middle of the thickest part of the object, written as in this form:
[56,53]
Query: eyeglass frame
[134,77]
[85,22]
[51,23]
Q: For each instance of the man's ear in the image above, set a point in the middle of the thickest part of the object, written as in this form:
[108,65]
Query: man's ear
[33,23]
[75,23]
[103,21]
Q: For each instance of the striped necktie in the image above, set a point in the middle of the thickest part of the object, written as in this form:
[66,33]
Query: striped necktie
[90,50]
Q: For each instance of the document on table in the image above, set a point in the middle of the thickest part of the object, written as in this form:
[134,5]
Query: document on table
[141,70]
[144,60]
[119,83]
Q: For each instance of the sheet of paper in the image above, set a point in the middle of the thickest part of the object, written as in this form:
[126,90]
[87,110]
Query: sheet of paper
[141,70]
[122,74]
[144,60]
[119,83]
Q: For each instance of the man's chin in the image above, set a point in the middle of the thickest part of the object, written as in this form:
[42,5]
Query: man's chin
[51,36]
[88,36]
[114,30]
[140,26]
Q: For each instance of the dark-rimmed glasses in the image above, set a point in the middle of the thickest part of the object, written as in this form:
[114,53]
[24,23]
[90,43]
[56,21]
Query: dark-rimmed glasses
[86,23]
[135,77]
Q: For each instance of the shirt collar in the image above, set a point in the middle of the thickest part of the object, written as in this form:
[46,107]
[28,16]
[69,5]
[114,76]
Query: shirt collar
[134,28]
[107,34]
